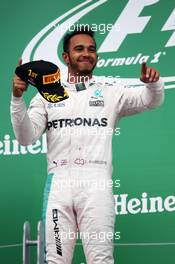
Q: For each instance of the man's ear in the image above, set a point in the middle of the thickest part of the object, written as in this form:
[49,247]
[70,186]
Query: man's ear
[65,57]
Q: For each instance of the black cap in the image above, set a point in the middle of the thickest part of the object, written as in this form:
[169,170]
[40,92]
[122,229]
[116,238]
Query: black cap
[45,76]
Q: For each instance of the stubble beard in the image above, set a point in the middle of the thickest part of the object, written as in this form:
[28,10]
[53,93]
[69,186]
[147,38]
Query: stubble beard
[78,71]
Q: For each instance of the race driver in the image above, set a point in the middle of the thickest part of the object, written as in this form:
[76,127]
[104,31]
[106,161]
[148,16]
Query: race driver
[79,142]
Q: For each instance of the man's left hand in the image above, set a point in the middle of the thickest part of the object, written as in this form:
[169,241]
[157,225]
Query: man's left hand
[148,74]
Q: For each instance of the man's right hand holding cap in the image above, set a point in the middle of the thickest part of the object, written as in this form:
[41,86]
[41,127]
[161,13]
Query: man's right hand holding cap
[19,86]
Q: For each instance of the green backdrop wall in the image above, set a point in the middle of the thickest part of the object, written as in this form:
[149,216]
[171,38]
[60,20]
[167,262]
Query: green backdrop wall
[143,153]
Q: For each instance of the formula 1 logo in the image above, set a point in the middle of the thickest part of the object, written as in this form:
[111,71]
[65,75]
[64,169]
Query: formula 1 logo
[133,33]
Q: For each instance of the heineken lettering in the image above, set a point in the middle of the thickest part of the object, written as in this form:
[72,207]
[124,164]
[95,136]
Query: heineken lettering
[125,205]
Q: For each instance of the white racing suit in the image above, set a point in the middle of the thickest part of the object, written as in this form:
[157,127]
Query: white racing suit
[78,193]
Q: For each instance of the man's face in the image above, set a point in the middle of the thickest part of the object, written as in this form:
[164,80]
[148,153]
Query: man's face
[81,57]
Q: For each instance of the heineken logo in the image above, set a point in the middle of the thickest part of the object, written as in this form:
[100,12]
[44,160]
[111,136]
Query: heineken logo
[144,204]
[134,32]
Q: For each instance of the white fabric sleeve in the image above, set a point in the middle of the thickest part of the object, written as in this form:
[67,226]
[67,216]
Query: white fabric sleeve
[28,125]
[139,99]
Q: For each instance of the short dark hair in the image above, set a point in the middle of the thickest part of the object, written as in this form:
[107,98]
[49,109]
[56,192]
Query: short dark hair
[79,29]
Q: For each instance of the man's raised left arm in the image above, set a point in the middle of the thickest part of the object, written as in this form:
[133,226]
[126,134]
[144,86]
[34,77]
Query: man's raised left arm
[140,99]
